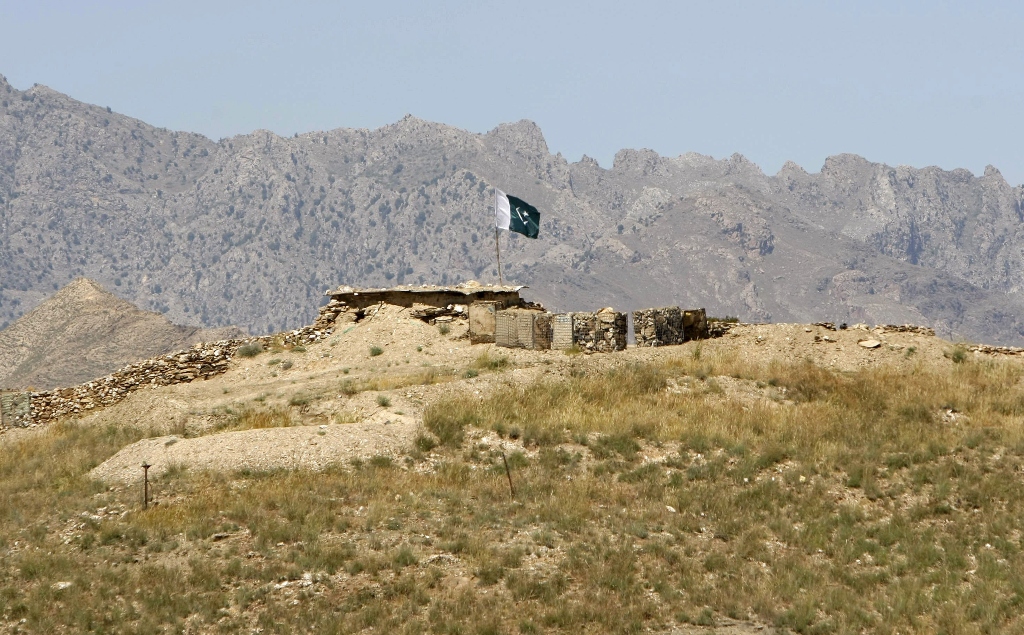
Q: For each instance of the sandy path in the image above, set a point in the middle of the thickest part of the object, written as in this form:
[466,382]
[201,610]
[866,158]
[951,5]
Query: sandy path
[309,447]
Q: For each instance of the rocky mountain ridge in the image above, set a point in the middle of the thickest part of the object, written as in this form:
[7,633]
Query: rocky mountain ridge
[251,230]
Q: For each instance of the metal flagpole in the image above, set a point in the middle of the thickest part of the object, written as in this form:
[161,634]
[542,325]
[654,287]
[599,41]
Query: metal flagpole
[497,250]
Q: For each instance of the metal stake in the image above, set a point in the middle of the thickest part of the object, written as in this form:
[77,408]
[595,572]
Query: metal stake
[145,486]
[508,473]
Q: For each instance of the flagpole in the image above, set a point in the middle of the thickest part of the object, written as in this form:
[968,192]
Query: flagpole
[497,250]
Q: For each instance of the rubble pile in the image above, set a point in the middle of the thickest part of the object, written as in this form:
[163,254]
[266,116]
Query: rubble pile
[904,328]
[438,314]
[995,350]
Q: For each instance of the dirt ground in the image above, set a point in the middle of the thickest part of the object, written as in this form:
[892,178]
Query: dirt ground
[334,426]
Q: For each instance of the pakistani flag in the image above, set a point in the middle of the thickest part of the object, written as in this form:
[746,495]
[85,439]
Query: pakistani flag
[515,215]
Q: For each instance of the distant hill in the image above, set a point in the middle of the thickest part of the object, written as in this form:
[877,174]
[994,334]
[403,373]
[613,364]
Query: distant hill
[250,230]
[84,332]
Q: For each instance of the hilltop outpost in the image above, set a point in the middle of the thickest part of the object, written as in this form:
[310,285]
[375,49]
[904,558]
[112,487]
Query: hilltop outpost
[495,314]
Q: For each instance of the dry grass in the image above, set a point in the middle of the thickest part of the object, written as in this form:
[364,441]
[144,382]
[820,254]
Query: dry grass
[864,502]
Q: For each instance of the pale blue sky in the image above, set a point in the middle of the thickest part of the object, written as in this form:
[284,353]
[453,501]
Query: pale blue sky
[917,83]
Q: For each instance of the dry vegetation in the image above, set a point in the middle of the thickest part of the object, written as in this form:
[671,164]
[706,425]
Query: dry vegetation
[648,497]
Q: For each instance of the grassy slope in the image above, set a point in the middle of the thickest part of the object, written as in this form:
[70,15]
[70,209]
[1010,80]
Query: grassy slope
[869,501]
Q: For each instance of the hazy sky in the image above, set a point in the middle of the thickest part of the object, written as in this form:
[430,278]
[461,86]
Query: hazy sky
[916,83]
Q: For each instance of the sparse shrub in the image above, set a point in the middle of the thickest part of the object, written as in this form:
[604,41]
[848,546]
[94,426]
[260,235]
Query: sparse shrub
[470,373]
[286,364]
[383,401]
[252,349]
[276,360]
[375,351]
[487,361]
[299,349]
[958,354]
[448,425]
[444,328]
[300,400]
[404,557]
[425,442]
[348,388]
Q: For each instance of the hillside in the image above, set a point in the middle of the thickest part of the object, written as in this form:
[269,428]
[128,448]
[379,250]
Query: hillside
[83,332]
[250,230]
[782,478]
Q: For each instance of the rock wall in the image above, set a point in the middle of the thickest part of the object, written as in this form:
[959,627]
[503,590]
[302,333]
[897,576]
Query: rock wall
[658,327]
[15,409]
[601,332]
[668,326]
[610,331]
[202,361]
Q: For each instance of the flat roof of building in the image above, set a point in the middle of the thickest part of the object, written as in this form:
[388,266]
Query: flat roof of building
[466,288]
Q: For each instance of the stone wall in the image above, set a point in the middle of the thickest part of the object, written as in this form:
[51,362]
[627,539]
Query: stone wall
[658,327]
[668,326]
[601,332]
[610,331]
[202,361]
[15,410]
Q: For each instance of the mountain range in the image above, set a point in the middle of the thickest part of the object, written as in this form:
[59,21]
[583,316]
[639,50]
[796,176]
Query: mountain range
[251,230]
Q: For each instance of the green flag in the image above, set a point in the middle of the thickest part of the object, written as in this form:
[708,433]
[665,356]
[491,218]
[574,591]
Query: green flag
[515,215]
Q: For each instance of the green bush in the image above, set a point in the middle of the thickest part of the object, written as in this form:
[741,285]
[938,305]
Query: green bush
[383,401]
[252,349]
[958,354]
[375,351]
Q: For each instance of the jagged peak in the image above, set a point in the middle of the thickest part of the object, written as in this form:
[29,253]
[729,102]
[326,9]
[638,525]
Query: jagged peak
[523,132]
[631,156]
[791,168]
[992,171]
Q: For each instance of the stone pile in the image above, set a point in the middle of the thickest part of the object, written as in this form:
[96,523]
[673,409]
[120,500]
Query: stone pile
[895,328]
[904,328]
[438,314]
[995,350]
